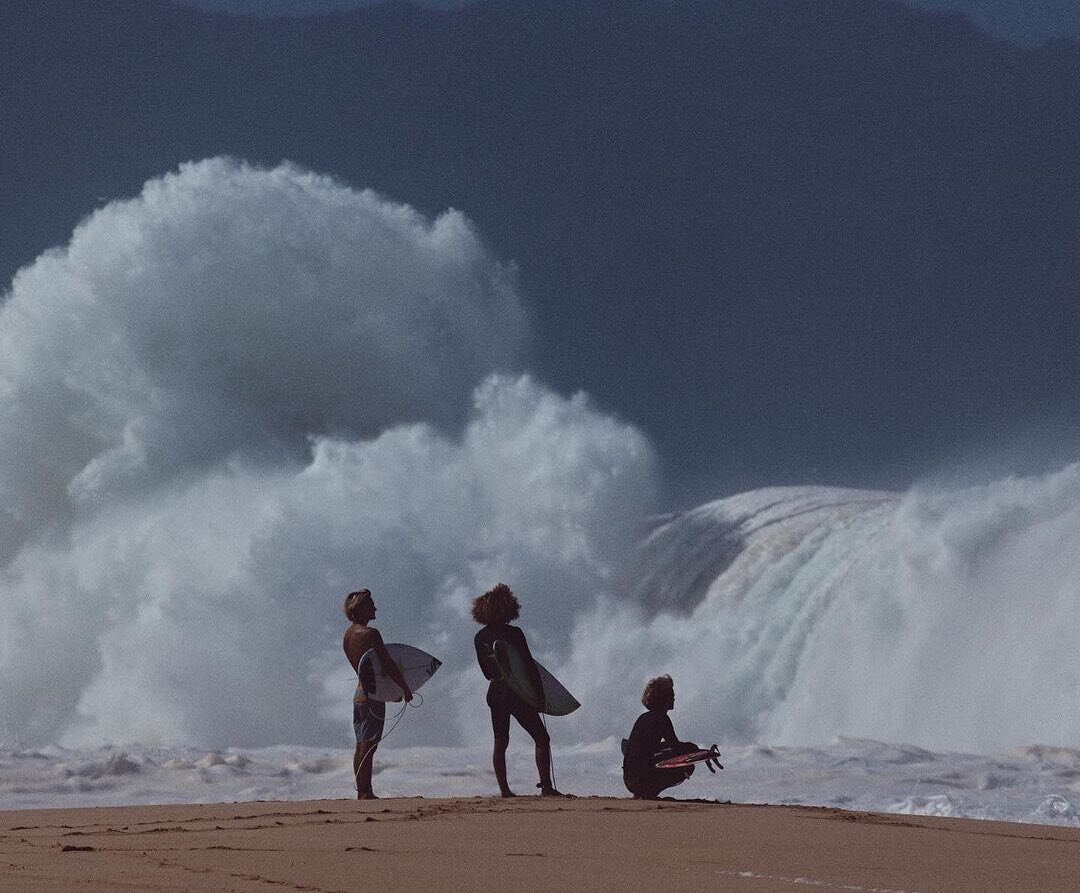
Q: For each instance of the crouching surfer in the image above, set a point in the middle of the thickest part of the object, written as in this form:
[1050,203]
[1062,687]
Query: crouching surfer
[368,714]
[495,609]
[652,740]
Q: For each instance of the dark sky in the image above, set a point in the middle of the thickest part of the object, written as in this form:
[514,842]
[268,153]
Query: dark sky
[1026,22]
[302,7]
[825,241]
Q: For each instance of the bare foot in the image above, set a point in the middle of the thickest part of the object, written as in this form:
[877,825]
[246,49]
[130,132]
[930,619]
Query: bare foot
[550,792]
[365,795]
[507,793]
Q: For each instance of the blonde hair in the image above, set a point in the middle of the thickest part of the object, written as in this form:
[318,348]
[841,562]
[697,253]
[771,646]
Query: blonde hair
[353,601]
[657,691]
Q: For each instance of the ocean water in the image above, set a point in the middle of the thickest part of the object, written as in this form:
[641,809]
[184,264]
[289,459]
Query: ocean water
[1034,784]
[938,617]
[763,608]
[231,399]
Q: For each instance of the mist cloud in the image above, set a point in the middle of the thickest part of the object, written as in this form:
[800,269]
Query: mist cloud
[230,400]
[230,310]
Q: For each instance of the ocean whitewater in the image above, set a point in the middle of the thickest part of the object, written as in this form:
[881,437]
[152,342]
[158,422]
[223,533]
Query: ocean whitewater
[1032,784]
[812,539]
[244,392]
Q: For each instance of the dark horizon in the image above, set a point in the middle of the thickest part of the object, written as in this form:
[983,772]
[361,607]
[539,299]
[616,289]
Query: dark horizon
[1013,20]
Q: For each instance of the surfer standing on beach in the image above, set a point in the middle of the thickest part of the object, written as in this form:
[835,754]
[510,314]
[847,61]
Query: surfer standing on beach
[368,714]
[495,609]
[652,740]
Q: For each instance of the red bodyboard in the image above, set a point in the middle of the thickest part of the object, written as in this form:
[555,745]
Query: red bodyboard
[686,759]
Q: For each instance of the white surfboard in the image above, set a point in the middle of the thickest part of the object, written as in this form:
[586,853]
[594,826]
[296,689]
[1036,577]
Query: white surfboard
[555,700]
[416,666]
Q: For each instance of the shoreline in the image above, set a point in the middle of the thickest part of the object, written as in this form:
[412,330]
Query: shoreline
[525,843]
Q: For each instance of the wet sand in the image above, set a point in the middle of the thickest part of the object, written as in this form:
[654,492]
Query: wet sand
[588,843]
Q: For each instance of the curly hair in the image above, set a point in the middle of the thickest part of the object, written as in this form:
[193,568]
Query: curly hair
[353,601]
[657,691]
[498,605]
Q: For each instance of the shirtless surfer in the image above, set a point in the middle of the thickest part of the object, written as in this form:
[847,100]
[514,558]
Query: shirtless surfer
[368,714]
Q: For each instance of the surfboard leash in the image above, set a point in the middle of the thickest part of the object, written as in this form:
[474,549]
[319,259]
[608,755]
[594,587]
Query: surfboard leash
[385,735]
[551,754]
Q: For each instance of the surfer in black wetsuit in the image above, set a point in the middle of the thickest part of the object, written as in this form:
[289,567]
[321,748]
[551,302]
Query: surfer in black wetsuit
[653,739]
[495,609]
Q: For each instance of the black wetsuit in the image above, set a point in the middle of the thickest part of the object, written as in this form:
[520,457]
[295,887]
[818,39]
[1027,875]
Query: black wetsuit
[503,700]
[652,740]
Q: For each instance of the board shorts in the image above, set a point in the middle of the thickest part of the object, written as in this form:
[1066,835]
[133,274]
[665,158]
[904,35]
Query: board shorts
[504,704]
[368,717]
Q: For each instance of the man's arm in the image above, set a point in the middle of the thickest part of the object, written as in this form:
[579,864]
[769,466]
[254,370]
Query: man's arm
[390,667]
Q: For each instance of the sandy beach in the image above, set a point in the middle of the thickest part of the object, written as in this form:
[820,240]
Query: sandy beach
[589,843]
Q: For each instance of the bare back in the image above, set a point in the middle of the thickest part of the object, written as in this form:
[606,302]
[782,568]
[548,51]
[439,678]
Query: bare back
[359,639]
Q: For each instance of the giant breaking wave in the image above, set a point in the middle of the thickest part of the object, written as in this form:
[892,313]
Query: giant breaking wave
[234,397]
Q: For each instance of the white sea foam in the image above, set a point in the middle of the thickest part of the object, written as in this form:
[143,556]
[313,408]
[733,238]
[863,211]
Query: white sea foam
[237,396]
[847,774]
[945,618]
[234,398]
